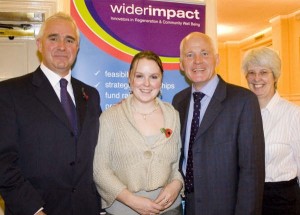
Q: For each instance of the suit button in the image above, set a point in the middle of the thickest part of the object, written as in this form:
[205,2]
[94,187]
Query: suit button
[148,154]
[72,163]
[73,190]
[72,134]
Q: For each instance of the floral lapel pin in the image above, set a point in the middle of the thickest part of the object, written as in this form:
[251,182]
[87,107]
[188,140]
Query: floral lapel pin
[84,95]
[166,131]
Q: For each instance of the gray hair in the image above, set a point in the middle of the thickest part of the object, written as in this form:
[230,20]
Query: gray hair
[57,16]
[265,57]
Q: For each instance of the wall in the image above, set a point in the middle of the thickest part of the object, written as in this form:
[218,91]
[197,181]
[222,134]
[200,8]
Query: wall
[19,56]
[284,37]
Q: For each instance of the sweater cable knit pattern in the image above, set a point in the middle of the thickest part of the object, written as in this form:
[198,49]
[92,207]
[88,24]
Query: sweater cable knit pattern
[123,159]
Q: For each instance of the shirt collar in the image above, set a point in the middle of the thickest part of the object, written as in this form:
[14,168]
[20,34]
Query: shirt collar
[272,103]
[209,88]
[52,76]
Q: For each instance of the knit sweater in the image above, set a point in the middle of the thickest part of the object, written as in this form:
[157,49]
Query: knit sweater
[123,159]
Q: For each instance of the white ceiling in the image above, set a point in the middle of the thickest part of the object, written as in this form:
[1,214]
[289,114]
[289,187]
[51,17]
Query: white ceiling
[248,17]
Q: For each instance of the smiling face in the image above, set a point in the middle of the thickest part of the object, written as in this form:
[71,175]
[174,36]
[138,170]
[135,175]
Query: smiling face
[145,80]
[198,59]
[59,46]
[262,69]
[261,81]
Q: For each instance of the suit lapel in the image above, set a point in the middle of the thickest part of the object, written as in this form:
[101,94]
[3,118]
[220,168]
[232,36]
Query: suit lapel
[214,108]
[183,111]
[46,95]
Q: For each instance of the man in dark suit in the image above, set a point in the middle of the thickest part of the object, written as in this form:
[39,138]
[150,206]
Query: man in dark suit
[225,172]
[45,159]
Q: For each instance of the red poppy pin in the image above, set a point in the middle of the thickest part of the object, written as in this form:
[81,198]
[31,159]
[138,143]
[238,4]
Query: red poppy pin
[166,131]
[84,95]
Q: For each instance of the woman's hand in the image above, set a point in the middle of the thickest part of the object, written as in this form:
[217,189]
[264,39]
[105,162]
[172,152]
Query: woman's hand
[140,204]
[146,206]
[169,194]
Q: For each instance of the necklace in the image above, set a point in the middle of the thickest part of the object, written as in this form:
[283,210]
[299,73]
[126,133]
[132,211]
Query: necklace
[146,114]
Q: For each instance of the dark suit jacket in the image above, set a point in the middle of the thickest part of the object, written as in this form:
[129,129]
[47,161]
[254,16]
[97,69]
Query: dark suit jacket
[41,163]
[228,152]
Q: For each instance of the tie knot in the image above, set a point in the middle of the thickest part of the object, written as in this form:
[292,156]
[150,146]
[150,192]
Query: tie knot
[198,96]
[63,83]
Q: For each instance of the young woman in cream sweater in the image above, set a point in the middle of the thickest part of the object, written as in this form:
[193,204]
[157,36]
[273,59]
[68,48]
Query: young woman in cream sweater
[137,156]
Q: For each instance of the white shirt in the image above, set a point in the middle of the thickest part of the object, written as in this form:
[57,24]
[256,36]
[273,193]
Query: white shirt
[281,122]
[54,81]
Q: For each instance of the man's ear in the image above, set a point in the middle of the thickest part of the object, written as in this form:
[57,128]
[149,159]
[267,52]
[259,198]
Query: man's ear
[217,59]
[181,65]
[39,44]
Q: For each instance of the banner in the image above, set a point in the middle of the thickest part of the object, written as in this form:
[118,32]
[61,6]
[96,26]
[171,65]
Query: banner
[115,30]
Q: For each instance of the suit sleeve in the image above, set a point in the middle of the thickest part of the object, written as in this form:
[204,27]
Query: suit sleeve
[251,159]
[19,196]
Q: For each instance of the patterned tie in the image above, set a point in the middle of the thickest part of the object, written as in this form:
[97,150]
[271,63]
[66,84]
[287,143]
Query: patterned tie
[68,104]
[189,176]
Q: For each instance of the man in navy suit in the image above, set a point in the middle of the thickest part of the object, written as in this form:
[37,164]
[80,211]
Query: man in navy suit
[228,148]
[45,163]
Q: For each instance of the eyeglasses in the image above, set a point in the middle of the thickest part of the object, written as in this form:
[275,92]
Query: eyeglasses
[262,74]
